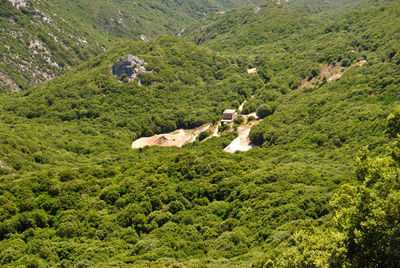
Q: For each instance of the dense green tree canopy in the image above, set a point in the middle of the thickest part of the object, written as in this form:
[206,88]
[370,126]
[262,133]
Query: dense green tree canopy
[73,192]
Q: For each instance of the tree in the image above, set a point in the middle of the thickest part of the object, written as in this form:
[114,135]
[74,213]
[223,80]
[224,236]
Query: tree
[393,125]
[264,110]
[369,214]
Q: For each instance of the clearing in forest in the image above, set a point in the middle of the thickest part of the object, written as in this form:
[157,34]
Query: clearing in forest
[177,138]
[242,142]
[330,72]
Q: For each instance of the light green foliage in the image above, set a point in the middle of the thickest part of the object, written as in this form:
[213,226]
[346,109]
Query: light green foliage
[368,215]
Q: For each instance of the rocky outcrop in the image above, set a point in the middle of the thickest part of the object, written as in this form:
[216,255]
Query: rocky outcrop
[8,84]
[144,38]
[18,3]
[4,165]
[129,66]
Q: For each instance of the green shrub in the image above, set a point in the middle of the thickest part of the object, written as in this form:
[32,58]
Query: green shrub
[264,110]
[238,120]
[203,135]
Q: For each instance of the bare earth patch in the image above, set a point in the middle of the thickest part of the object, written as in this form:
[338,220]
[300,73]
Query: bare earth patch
[177,138]
[182,136]
[330,72]
[242,142]
[252,70]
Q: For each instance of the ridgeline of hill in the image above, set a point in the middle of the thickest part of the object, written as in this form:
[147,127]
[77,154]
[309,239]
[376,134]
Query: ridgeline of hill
[41,39]
[73,192]
[186,86]
[332,9]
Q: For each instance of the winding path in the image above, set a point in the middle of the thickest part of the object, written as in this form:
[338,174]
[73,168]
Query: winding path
[242,142]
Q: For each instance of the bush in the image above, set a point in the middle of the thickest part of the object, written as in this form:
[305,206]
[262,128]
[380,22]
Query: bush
[223,127]
[251,118]
[256,136]
[264,110]
[238,120]
[393,123]
[203,135]
[249,108]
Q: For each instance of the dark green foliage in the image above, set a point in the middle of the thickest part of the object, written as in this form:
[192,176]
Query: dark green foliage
[264,110]
[203,135]
[251,118]
[238,120]
[394,123]
[161,203]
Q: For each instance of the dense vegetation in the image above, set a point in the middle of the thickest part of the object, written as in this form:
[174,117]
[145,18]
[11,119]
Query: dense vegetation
[42,38]
[332,9]
[73,192]
[181,76]
[35,46]
[367,89]
[285,63]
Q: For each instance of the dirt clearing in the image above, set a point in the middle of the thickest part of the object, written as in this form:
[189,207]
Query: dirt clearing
[330,72]
[242,142]
[176,138]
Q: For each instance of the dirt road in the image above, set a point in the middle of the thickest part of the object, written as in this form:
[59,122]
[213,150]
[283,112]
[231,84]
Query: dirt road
[242,142]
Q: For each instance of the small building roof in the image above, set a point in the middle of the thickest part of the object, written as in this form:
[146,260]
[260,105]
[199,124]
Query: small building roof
[229,111]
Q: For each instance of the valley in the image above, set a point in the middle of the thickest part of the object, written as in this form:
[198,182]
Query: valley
[112,152]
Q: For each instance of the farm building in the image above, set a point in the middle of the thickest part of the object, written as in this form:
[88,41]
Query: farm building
[228,116]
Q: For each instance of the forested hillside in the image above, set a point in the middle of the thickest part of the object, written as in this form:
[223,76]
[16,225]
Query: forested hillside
[289,48]
[320,189]
[180,75]
[332,9]
[37,46]
[41,39]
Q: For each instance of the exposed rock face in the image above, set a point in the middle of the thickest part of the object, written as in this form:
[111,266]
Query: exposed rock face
[181,32]
[144,38]
[8,84]
[129,65]
[18,3]
[4,166]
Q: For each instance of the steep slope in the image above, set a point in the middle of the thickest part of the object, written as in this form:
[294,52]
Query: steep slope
[282,43]
[239,29]
[375,83]
[185,87]
[40,39]
[328,9]
[289,48]
[37,46]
